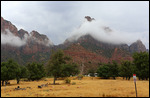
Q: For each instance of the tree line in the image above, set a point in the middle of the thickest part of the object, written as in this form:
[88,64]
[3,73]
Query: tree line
[12,70]
[139,66]
[60,65]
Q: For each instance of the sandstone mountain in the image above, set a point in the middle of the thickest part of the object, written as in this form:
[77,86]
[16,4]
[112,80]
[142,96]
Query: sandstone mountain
[36,46]
[86,50]
[137,46]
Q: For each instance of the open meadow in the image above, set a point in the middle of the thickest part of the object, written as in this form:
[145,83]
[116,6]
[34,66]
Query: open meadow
[87,87]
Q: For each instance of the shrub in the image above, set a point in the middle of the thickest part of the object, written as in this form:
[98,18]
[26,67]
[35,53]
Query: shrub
[67,80]
[80,76]
[73,83]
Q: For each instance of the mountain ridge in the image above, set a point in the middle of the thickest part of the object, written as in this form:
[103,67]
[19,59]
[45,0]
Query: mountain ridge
[83,50]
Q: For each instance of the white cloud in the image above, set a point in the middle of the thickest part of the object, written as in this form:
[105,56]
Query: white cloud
[56,18]
[8,37]
[96,29]
[11,39]
[45,42]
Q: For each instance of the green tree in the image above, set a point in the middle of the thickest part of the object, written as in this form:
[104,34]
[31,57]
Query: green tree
[108,70]
[4,74]
[69,69]
[8,70]
[126,69]
[21,72]
[113,71]
[18,74]
[36,71]
[141,61]
[58,66]
[103,71]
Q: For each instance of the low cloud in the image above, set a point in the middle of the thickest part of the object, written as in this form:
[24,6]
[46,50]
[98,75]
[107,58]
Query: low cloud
[45,42]
[57,19]
[99,31]
[9,38]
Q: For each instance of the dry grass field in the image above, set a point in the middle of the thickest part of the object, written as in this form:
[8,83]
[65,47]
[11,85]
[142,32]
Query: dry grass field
[87,87]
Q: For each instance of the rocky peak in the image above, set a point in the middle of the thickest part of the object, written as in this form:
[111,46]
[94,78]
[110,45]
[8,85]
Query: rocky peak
[22,32]
[89,18]
[41,38]
[86,37]
[139,41]
[137,46]
[8,25]
[38,35]
[34,33]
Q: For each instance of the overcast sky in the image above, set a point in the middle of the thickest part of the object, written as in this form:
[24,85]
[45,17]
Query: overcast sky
[58,19]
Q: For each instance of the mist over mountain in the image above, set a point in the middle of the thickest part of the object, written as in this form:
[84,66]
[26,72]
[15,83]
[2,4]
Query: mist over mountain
[10,35]
[98,30]
[91,42]
[23,46]
[9,38]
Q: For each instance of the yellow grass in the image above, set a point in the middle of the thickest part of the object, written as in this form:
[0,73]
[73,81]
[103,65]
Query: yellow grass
[87,87]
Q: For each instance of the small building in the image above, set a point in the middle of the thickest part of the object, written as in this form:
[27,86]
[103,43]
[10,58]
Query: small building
[90,75]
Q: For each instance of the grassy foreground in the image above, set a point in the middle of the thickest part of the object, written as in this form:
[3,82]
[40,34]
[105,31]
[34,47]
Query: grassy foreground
[87,87]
